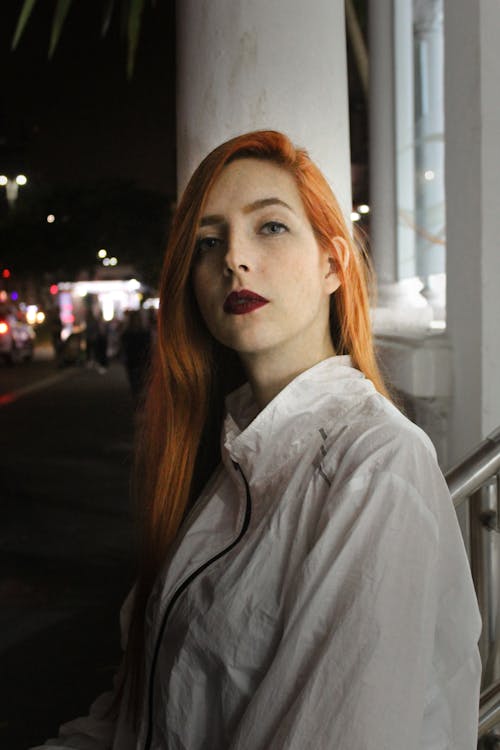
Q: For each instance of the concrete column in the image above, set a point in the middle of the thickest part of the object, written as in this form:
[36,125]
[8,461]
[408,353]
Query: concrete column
[251,64]
[472,117]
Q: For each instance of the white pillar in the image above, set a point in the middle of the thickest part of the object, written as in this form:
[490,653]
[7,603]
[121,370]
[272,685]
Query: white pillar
[250,64]
[400,307]
[429,137]
[472,117]
[382,139]
[405,138]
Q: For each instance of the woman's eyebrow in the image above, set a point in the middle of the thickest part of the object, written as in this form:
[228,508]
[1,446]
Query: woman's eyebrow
[262,202]
[210,220]
[254,206]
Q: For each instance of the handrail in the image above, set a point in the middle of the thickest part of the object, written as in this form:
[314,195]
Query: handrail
[465,481]
[475,469]
[489,709]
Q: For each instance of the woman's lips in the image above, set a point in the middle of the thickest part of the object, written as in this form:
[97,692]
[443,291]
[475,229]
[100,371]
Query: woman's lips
[244,301]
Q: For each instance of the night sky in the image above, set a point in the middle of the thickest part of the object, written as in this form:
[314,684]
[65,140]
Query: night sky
[77,119]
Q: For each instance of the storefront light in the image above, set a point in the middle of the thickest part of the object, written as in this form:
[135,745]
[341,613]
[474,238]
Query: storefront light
[31,312]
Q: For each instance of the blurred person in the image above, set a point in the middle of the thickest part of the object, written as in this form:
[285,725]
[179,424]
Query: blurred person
[101,344]
[115,329]
[91,336]
[96,340]
[55,328]
[302,581]
[153,323]
[136,349]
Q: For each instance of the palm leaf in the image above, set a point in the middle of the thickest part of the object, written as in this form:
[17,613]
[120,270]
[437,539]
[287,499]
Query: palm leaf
[60,14]
[130,20]
[124,14]
[106,16]
[136,8]
[358,44]
[22,21]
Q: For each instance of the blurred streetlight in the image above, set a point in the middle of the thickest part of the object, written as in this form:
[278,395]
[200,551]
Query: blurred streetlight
[102,253]
[51,219]
[113,261]
[12,187]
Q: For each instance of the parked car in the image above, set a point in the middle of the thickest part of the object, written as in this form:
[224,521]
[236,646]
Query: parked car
[17,339]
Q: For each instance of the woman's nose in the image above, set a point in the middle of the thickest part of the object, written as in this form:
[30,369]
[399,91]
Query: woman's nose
[237,256]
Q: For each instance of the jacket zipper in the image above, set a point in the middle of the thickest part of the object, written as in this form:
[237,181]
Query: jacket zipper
[175,597]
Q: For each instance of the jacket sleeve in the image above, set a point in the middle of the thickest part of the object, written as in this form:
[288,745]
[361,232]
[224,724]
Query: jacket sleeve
[356,666]
[98,730]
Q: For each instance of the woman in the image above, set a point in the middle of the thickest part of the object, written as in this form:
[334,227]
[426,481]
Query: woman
[314,592]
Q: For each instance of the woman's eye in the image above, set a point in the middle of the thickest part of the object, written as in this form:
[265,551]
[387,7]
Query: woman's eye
[274,227]
[204,244]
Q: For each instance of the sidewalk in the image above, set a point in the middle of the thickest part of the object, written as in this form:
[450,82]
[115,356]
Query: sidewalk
[66,544]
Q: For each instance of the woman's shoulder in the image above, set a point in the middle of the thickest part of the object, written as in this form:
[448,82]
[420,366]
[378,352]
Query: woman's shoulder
[375,438]
[376,421]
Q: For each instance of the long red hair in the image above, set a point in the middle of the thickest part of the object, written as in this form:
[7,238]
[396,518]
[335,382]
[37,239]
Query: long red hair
[191,373]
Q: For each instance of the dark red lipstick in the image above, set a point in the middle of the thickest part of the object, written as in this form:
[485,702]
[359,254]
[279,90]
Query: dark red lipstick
[243,301]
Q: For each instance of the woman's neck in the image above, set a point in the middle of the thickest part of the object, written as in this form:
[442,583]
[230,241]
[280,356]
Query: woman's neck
[269,372]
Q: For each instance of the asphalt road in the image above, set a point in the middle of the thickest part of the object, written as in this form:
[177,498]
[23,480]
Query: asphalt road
[66,541]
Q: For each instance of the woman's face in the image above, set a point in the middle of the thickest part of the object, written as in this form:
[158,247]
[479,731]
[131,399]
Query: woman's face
[260,278]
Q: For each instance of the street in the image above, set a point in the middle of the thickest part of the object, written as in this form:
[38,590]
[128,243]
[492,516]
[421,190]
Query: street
[66,541]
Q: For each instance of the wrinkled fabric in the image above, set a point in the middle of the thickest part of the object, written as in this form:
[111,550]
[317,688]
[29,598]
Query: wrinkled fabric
[318,595]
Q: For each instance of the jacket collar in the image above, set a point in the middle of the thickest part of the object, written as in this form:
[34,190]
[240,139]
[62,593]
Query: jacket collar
[263,441]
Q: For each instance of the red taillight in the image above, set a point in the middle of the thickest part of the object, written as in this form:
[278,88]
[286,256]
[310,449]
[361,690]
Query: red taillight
[4,328]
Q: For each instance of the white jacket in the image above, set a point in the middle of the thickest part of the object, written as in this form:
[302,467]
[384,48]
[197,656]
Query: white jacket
[318,596]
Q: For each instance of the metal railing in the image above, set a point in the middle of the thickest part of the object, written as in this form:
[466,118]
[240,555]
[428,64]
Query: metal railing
[477,479]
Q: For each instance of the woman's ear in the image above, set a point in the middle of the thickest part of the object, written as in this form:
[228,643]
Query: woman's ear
[339,257]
